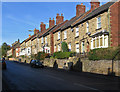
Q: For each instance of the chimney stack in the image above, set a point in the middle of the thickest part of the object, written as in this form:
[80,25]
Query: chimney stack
[36,31]
[43,27]
[29,35]
[94,4]
[59,19]
[80,9]
[51,22]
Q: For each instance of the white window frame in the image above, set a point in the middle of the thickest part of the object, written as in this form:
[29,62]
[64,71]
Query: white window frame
[55,48]
[45,39]
[104,43]
[87,27]
[77,47]
[77,32]
[65,34]
[42,40]
[69,45]
[98,22]
[58,47]
[58,35]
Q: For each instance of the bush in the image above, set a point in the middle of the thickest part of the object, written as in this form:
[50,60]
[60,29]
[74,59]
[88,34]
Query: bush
[10,56]
[104,53]
[62,55]
[41,55]
[65,47]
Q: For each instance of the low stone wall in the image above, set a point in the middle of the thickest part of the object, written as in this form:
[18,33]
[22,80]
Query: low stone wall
[20,59]
[101,66]
[50,62]
[85,65]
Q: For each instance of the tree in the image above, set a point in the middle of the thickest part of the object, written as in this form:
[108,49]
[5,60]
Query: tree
[65,47]
[4,48]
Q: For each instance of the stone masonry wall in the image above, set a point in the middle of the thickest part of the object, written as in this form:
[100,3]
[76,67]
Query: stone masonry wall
[98,67]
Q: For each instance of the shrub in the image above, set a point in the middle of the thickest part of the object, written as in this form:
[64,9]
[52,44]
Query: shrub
[62,55]
[10,56]
[41,55]
[65,47]
[104,53]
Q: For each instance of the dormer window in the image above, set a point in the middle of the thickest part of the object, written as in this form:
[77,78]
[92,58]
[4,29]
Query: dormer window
[77,31]
[98,22]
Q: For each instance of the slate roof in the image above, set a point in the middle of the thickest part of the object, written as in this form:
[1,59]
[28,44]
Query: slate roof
[58,27]
[96,12]
[72,20]
[45,32]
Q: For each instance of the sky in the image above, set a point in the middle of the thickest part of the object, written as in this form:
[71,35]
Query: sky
[19,17]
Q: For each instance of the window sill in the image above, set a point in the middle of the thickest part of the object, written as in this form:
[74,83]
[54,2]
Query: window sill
[98,28]
[58,39]
[65,38]
[76,37]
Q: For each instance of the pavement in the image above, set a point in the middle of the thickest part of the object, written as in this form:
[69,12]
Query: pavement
[21,77]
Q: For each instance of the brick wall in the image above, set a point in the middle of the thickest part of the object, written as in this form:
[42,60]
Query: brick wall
[114,23]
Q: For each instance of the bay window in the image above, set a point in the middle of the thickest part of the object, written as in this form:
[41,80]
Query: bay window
[99,42]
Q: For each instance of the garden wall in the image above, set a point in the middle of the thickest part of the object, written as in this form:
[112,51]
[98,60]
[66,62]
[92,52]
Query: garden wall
[85,65]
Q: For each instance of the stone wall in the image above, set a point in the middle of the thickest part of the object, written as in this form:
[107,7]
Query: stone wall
[85,65]
[101,66]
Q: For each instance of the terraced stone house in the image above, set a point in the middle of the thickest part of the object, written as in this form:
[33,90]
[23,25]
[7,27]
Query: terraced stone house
[95,28]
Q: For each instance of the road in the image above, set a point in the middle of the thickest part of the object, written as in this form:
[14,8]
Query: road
[23,77]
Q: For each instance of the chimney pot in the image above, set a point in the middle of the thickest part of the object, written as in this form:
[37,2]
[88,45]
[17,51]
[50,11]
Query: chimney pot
[94,4]
[80,9]
[42,26]
[29,35]
[59,19]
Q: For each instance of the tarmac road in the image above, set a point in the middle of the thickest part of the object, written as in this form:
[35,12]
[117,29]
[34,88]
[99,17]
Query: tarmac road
[23,77]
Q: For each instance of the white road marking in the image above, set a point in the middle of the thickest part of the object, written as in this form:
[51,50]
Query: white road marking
[55,77]
[85,86]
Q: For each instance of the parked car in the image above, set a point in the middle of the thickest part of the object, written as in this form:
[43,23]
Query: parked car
[36,63]
[3,63]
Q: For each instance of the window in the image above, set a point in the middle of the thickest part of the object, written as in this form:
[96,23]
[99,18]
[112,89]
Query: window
[83,47]
[77,31]
[58,47]
[55,48]
[87,27]
[99,42]
[65,34]
[42,40]
[69,46]
[98,22]
[106,40]
[77,47]
[45,39]
[58,35]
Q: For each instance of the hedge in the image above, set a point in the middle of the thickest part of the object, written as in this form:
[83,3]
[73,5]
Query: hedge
[62,55]
[104,53]
[41,55]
